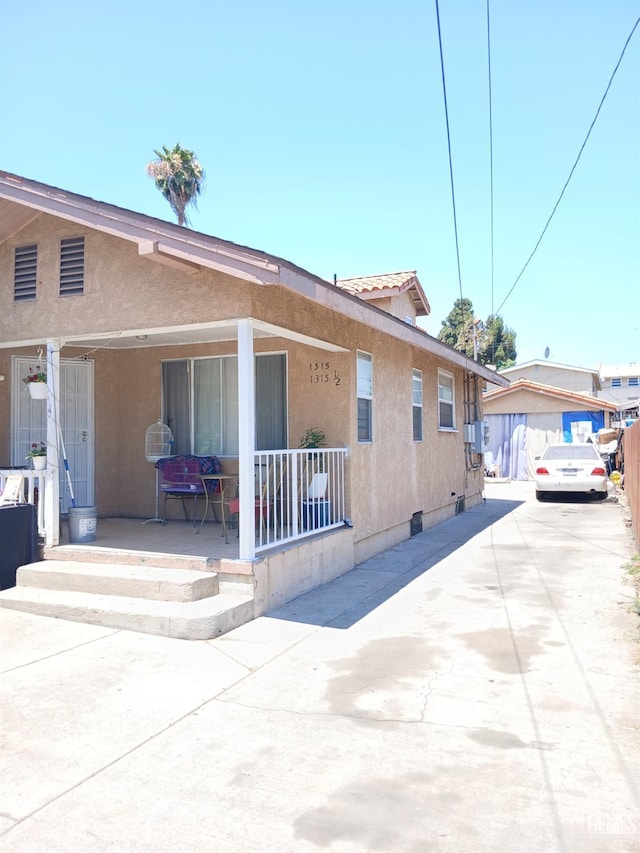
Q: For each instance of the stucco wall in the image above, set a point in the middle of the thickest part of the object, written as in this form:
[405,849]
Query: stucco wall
[620,395]
[388,480]
[121,289]
[281,577]
[525,401]
[400,305]
[558,377]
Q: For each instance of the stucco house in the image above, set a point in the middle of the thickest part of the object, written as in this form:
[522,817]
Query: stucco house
[621,385]
[136,320]
[579,380]
[522,419]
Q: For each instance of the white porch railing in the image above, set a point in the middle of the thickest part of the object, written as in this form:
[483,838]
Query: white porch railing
[33,490]
[298,493]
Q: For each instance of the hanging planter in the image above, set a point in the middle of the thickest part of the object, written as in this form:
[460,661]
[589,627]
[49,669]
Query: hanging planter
[38,390]
[36,382]
[39,462]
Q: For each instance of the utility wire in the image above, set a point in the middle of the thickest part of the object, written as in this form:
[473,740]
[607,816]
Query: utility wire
[490,146]
[446,114]
[573,168]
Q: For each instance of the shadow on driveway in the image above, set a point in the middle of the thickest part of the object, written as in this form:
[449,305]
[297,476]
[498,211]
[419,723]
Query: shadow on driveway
[347,599]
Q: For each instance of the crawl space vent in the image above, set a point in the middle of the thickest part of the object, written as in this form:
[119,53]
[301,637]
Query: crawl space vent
[416,523]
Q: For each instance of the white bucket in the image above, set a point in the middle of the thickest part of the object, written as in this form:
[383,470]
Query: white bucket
[83,521]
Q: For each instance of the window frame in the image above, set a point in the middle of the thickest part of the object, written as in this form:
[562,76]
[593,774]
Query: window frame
[442,401]
[417,407]
[367,358]
[633,381]
[616,382]
[226,449]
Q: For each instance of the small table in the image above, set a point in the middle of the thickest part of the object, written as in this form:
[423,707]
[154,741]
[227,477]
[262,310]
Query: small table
[222,477]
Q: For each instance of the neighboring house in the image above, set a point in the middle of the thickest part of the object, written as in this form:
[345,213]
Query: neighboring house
[579,380]
[399,294]
[620,383]
[523,418]
[240,352]
[627,413]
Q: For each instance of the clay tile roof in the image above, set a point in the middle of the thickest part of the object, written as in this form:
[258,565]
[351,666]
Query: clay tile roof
[370,286]
[550,391]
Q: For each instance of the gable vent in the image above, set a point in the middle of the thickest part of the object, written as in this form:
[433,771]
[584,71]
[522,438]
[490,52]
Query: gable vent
[72,266]
[25,272]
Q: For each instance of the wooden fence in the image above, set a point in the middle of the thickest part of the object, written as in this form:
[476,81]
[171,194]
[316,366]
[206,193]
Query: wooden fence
[632,476]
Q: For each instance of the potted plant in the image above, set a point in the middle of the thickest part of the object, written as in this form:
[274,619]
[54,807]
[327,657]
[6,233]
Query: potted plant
[36,382]
[316,507]
[313,438]
[38,455]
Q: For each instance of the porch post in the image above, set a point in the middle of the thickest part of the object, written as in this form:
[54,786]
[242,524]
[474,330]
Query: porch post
[52,490]
[246,439]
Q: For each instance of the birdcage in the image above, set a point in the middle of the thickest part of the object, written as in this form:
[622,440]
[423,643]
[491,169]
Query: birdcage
[157,442]
[157,445]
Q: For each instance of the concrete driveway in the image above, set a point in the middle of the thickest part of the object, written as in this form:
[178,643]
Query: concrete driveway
[474,689]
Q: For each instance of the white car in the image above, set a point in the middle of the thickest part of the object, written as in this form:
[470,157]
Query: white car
[566,468]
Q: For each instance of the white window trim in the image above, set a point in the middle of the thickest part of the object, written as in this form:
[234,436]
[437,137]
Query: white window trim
[451,402]
[365,396]
[417,374]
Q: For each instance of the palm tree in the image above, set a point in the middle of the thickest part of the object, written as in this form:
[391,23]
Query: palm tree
[179,177]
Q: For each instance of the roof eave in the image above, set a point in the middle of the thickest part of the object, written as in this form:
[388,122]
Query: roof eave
[549,391]
[157,239]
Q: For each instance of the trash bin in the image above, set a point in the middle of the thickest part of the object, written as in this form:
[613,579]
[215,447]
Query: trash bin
[83,521]
[316,513]
[19,537]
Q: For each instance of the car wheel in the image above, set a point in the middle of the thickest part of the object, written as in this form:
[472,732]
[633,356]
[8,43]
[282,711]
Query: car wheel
[541,496]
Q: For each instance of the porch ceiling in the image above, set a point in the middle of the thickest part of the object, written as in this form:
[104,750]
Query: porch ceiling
[199,333]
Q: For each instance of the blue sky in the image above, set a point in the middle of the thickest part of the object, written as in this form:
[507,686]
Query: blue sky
[320,124]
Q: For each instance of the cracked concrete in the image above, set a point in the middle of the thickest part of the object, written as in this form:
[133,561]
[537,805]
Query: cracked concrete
[473,689]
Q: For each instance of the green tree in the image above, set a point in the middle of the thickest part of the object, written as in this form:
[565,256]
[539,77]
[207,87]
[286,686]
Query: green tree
[499,344]
[457,329]
[179,177]
[489,342]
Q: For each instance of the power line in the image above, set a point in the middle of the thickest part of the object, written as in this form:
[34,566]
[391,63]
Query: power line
[490,145]
[446,114]
[573,168]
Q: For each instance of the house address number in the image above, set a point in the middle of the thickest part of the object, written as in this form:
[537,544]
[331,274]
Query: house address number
[320,373]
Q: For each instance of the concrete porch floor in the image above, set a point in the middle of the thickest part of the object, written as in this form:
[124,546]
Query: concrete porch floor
[176,538]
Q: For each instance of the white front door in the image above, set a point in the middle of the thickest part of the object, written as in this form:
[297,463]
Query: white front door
[29,426]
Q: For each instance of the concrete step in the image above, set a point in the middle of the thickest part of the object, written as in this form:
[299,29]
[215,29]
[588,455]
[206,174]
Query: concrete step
[228,569]
[93,554]
[189,620]
[134,581]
